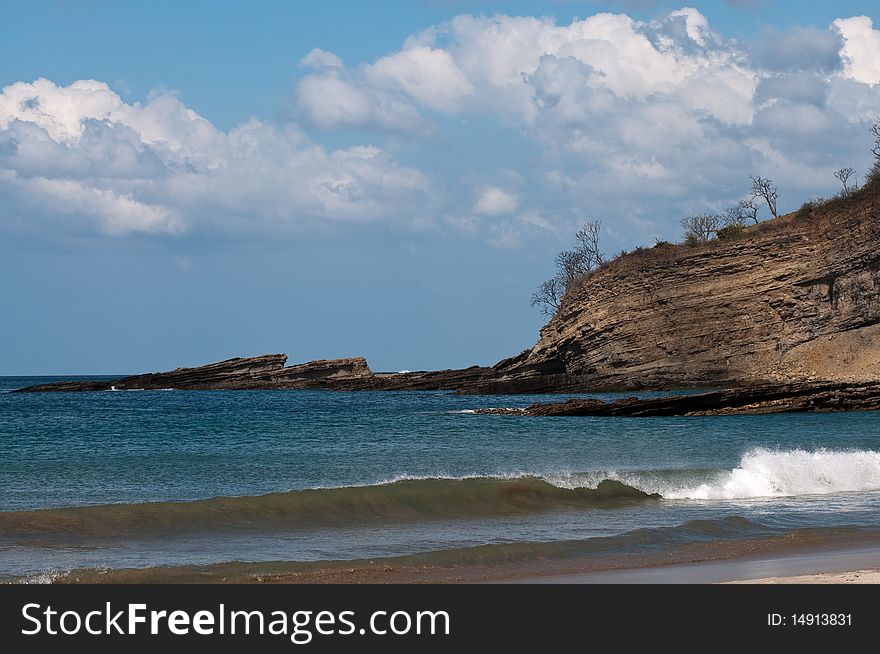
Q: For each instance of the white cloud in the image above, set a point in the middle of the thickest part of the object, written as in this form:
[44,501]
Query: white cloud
[605,116]
[861,49]
[429,76]
[490,62]
[318,58]
[333,99]
[493,201]
[696,25]
[82,154]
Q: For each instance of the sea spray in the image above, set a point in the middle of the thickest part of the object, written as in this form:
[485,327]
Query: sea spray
[784,473]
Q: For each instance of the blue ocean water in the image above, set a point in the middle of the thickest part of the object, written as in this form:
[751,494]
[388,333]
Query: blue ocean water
[499,476]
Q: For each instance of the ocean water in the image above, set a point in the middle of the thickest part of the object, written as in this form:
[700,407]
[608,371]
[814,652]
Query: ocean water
[166,478]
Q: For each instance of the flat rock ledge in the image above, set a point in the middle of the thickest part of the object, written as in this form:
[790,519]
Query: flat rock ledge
[270,372]
[787,398]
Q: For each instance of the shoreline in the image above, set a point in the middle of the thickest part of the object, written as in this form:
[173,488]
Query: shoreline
[846,565]
[811,558]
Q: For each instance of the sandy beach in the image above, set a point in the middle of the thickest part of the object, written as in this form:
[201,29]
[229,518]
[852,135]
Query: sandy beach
[852,577]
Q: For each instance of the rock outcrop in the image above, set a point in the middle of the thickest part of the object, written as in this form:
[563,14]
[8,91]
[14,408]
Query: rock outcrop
[253,373]
[819,397]
[794,299]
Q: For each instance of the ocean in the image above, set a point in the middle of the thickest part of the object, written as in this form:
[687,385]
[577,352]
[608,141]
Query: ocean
[140,479]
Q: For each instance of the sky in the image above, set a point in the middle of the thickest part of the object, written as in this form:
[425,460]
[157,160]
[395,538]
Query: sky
[186,182]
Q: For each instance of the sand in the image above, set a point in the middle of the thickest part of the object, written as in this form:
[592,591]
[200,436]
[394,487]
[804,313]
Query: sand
[852,577]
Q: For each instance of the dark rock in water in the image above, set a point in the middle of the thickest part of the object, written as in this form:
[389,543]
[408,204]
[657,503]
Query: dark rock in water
[269,372]
[254,373]
[786,398]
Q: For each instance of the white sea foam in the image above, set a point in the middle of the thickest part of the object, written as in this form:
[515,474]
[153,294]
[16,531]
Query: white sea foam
[761,473]
[47,577]
[786,473]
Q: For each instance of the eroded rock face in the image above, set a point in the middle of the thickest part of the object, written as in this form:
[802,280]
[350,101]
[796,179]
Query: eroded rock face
[796,299]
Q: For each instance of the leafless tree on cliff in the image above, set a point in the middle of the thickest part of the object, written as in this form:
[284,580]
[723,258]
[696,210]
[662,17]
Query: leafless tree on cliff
[701,227]
[548,296]
[764,188]
[571,267]
[741,213]
[844,175]
[588,243]
[875,132]
[874,174]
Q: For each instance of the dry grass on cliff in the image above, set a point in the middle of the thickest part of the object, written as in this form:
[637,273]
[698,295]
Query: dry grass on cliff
[816,216]
[818,213]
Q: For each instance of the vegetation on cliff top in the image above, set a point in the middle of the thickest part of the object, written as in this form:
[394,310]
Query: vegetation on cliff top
[574,266]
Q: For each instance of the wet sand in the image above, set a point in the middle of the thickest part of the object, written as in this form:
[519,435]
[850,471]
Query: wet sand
[774,559]
[861,565]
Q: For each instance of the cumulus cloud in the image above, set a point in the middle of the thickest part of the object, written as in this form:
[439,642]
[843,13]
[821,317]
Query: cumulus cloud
[81,154]
[430,76]
[861,49]
[489,63]
[798,49]
[644,119]
[634,121]
[493,201]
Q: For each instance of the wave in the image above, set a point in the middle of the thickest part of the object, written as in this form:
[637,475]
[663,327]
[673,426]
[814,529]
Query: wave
[761,473]
[771,473]
[405,500]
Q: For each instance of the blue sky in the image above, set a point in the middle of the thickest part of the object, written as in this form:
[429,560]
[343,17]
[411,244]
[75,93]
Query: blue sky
[184,182]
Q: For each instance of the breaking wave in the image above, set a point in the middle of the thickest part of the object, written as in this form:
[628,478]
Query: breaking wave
[761,473]
[772,473]
[404,500]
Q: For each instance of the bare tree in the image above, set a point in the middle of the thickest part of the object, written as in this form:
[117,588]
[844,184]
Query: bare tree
[588,243]
[548,296]
[571,267]
[843,175]
[874,173]
[749,209]
[875,132]
[701,227]
[765,189]
[741,213]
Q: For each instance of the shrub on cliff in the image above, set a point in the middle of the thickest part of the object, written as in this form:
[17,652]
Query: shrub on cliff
[700,228]
[572,266]
[730,232]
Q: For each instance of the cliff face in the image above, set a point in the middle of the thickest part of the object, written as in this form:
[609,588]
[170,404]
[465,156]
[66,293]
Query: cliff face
[795,299]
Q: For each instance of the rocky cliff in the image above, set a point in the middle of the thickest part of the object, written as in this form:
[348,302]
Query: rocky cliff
[794,299]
